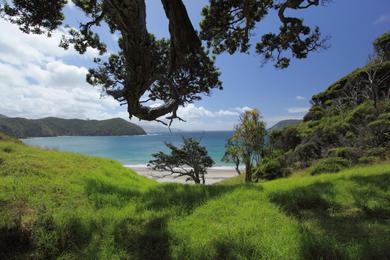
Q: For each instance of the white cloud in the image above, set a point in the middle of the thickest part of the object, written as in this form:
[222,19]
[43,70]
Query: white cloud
[36,82]
[300,98]
[193,112]
[243,109]
[296,110]
[385,18]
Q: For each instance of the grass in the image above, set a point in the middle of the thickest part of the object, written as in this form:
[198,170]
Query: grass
[68,206]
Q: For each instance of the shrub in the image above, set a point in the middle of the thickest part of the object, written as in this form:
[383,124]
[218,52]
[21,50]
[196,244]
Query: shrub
[308,151]
[380,152]
[330,165]
[368,160]
[7,150]
[349,153]
[381,130]
[315,113]
[270,169]
[285,139]
[362,114]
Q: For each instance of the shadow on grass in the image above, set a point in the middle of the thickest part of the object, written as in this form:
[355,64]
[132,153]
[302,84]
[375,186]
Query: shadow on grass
[144,235]
[183,197]
[104,194]
[147,237]
[341,230]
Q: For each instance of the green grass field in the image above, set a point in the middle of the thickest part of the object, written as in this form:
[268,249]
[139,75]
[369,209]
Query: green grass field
[69,206]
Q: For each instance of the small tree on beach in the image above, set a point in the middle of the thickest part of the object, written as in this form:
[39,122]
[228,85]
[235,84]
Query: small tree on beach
[232,154]
[191,160]
[247,142]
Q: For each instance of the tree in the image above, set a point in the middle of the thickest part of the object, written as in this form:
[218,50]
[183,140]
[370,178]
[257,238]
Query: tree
[172,72]
[232,154]
[191,160]
[248,141]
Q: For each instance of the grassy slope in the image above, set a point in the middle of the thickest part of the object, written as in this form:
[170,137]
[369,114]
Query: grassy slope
[71,206]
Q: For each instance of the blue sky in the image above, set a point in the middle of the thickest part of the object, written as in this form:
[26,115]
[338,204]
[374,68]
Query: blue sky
[278,94]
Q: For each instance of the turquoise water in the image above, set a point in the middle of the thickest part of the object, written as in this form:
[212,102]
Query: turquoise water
[132,150]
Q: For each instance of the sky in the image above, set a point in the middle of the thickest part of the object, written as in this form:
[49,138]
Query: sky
[38,79]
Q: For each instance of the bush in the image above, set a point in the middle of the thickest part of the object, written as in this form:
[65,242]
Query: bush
[362,114]
[381,130]
[315,113]
[368,160]
[270,169]
[308,151]
[285,139]
[378,152]
[330,165]
[349,153]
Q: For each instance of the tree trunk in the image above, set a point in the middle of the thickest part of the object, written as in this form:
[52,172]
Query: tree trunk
[248,171]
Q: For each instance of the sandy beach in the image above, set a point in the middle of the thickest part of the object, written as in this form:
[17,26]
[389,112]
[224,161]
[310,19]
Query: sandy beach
[213,175]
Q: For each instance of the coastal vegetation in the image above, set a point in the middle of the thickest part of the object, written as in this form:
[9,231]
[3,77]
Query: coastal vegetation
[247,143]
[191,160]
[317,189]
[67,206]
[348,124]
[51,126]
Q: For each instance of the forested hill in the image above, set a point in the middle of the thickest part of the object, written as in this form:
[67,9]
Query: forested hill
[51,126]
[348,123]
[284,123]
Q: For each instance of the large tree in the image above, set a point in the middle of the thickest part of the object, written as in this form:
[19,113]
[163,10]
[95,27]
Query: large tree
[176,71]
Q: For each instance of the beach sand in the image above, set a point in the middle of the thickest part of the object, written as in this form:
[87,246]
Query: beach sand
[213,174]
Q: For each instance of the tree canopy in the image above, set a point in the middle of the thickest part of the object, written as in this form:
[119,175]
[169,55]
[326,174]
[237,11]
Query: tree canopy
[190,160]
[247,143]
[175,71]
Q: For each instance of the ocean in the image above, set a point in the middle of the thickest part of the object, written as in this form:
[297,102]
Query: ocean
[133,150]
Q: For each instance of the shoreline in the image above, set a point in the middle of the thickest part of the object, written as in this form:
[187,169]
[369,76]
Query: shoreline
[214,174]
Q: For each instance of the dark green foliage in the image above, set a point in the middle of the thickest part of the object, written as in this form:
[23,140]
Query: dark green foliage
[367,159]
[350,153]
[285,139]
[381,131]
[228,26]
[308,151]
[315,113]
[379,152]
[330,165]
[7,149]
[382,46]
[22,128]
[270,169]
[347,120]
[38,16]
[191,160]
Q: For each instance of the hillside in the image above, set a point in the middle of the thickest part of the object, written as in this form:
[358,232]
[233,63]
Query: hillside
[284,123]
[69,206]
[348,123]
[51,126]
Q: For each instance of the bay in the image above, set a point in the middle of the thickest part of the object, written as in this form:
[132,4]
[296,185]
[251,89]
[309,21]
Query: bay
[133,150]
